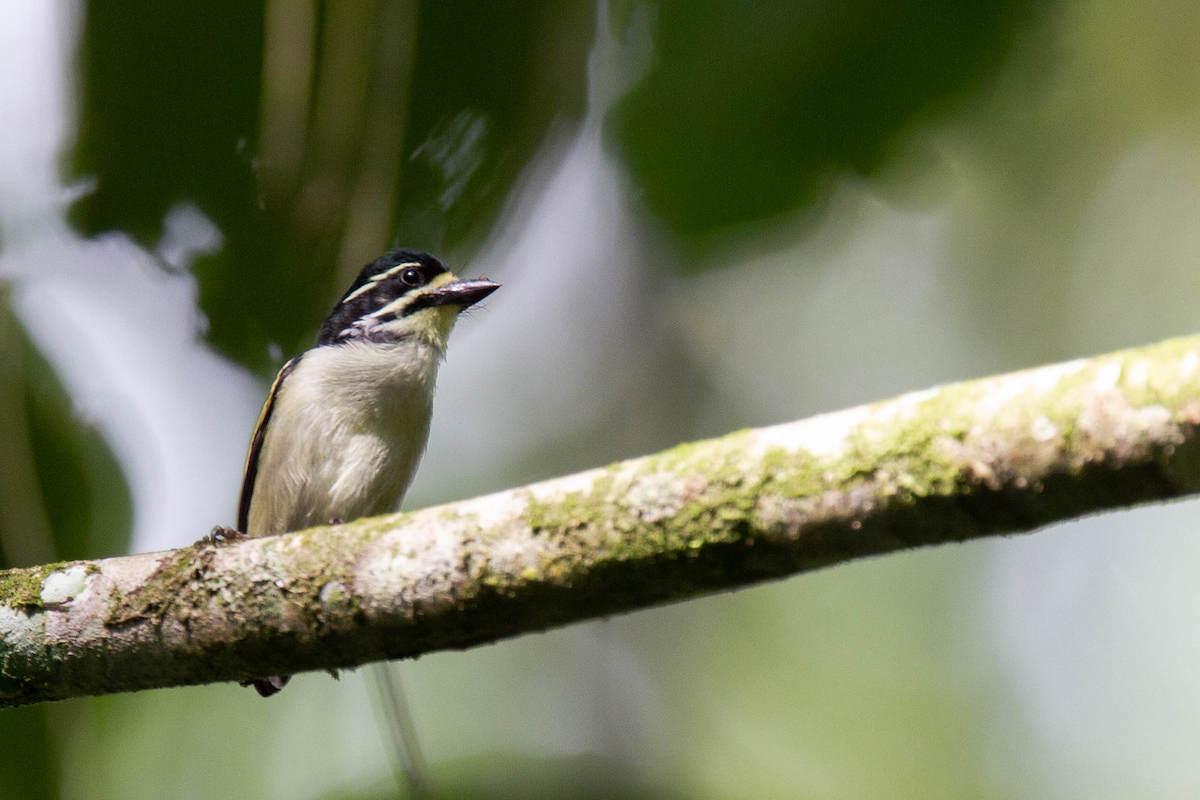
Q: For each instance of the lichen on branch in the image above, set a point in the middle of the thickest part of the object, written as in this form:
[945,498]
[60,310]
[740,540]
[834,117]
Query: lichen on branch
[999,455]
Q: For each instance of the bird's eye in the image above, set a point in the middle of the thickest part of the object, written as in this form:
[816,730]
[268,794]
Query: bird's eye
[411,277]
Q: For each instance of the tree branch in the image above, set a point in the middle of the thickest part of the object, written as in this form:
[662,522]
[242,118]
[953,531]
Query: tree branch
[999,455]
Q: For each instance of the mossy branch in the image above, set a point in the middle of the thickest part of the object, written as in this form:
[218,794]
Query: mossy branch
[999,455]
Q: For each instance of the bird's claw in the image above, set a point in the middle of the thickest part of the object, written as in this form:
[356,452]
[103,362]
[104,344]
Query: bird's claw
[221,535]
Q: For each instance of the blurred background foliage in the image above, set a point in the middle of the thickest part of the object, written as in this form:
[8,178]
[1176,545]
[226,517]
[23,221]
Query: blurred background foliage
[706,215]
[342,136]
[745,116]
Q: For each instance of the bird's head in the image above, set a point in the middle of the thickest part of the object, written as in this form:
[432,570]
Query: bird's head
[405,295]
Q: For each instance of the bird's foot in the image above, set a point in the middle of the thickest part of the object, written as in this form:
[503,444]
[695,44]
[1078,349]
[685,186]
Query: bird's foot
[220,535]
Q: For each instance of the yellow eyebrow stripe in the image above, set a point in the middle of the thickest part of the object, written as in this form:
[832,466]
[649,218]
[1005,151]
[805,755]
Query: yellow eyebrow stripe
[373,281]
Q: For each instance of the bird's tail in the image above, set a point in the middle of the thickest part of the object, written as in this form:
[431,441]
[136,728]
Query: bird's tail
[407,760]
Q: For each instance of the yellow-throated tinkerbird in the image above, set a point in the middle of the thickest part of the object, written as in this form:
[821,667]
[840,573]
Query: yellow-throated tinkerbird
[345,424]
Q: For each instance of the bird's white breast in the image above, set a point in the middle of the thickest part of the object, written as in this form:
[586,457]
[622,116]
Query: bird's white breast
[348,428]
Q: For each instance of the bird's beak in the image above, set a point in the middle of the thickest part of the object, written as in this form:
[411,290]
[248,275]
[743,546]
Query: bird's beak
[459,293]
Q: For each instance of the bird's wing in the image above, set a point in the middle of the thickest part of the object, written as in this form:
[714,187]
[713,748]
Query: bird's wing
[256,442]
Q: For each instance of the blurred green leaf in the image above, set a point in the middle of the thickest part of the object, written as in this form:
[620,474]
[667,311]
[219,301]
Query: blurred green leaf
[169,114]
[493,80]
[748,111]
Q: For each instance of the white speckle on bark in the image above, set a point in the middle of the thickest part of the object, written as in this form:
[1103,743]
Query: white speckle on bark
[1155,421]
[904,407]
[420,565]
[64,585]
[1138,374]
[19,629]
[823,435]
[1107,376]
[1042,429]
[516,555]
[1045,379]
[494,509]
[335,597]
[549,491]
[655,497]
[1189,364]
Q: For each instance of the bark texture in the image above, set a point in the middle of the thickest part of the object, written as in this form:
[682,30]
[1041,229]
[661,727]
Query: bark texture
[1000,455]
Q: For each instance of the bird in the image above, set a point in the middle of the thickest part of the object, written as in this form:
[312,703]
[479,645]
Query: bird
[345,423]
